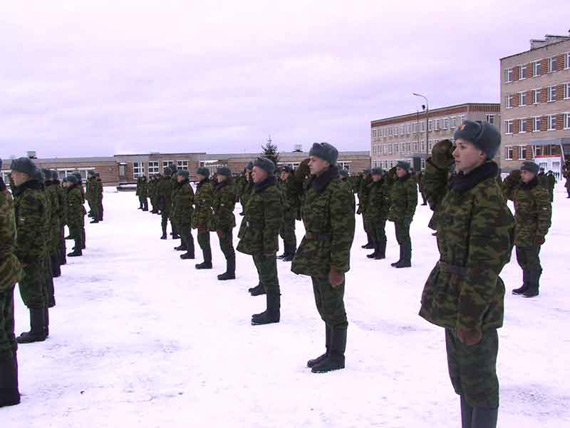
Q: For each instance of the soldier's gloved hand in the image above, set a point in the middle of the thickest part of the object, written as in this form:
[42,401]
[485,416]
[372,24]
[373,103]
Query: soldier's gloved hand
[442,154]
[302,170]
[469,337]
[336,277]
[539,240]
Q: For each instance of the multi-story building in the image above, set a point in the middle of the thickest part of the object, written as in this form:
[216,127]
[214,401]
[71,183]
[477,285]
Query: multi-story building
[404,137]
[535,105]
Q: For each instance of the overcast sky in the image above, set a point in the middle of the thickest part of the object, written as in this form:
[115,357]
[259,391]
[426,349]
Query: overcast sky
[95,78]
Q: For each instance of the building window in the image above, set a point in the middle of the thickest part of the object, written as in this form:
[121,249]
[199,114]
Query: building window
[567,91]
[509,153]
[509,74]
[566,120]
[344,165]
[436,125]
[454,122]
[138,169]
[396,147]
[536,96]
[551,94]
[510,102]
[522,152]
[522,99]
[535,68]
[183,165]
[522,72]
[552,64]
[536,124]
[430,125]
[508,126]
[446,123]
[567,60]
[522,125]
[491,119]
[423,126]
[462,118]
[552,122]
[153,168]
[165,163]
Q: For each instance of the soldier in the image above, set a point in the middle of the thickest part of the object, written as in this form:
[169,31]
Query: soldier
[344,177]
[362,205]
[54,222]
[182,209]
[259,236]
[377,213]
[31,212]
[203,217]
[142,189]
[551,184]
[223,207]
[533,213]
[464,293]
[75,215]
[403,202]
[541,177]
[151,190]
[100,196]
[93,196]
[419,177]
[79,185]
[566,175]
[290,208]
[247,187]
[164,198]
[324,253]
[10,273]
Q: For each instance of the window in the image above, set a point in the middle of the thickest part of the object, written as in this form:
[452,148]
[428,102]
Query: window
[138,169]
[522,74]
[566,120]
[446,123]
[509,153]
[536,96]
[536,124]
[436,125]
[552,122]
[430,125]
[510,102]
[551,94]
[396,147]
[165,163]
[522,125]
[395,131]
[535,68]
[509,74]
[344,165]
[567,60]
[153,168]
[552,64]
[566,91]
[6,176]
[454,122]
[522,152]
[509,126]
[462,118]
[490,119]
[522,99]
[537,151]
[423,126]
[183,165]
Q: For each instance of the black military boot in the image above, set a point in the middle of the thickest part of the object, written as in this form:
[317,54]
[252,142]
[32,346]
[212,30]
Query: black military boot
[400,259]
[533,283]
[406,261]
[318,360]
[204,265]
[484,417]
[75,253]
[95,220]
[257,291]
[289,253]
[189,255]
[466,413]
[181,247]
[83,239]
[163,225]
[381,253]
[524,286]
[281,256]
[335,359]
[373,255]
[207,264]
[37,331]
[230,272]
[46,324]
[55,265]
[9,392]
[272,314]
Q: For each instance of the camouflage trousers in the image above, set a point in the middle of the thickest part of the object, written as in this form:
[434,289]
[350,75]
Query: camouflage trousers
[377,229]
[33,285]
[77,233]
[8,345]
[403,231]
[94,206]
[287,233]
[529,261]
[330,303]
[185,232]
[225,237]
[267,271]
[204,242]
[473,369]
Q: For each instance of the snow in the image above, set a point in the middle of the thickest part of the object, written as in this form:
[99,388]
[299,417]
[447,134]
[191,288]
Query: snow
[141,338]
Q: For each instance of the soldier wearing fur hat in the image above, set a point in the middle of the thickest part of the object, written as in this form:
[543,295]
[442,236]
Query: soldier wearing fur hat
[203,218]
[164,199]
[75,215]
[403,202]
[363,204]
[223,207]
[142,192]
[345,178]
[291,206]
[93,191]
[324,253]
[377,213]
[54,222]
[533,214]
[182,211]
[464,293]
[259,234]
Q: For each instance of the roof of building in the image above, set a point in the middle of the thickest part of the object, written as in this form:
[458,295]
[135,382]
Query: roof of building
[537,44]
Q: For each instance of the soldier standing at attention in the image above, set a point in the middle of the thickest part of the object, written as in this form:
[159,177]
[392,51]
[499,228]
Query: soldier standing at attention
[291,205]
[223,206]
[363,204]
[377,213]
[182,210]
[533,213]
[551,184]
[203,217]
[31,214]
[164,198]
[75,215]
[464,293]
[142,189]
[10,271]
[259,235]
[93,196]
[345,178]
[403,202]
[324,253]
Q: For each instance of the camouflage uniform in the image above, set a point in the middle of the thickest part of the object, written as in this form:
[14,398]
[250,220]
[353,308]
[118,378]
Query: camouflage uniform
[99,197]
[376,215]
[551,184]
[223,207]
[290,208]
[54,237]
[203,218]
[151,190]
[464,292]
[182,209]
[75,216]
[403,202]
[142,188]
[362,205]
[164,201]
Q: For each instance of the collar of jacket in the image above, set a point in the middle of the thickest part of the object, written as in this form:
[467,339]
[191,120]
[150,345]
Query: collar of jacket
[30,184]
[269,181]
[463,182]
[201,183]
[319,183]
[531,184]
[221,185]
[405,177]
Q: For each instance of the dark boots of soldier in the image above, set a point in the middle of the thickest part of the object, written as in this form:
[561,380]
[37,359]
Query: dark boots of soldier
[9,393]
[466,413]
[37,331]
[289,253]
[189,247]
[163,224]
[273,312]
[55,265]
[181,247]
[381,253]
[207,264]
[401,257]
[95,220]
[76,251]
[484,417]
[533,283]
[373,255]
[524,286]
[46,322]
[335,359]
[406,261]
[230,272]
[312,363]
[369,245]
[83,239]
[257,291]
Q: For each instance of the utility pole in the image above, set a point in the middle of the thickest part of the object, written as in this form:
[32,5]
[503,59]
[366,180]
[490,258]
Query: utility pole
[426,109]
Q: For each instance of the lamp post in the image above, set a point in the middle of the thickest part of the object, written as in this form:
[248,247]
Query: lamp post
[426,108]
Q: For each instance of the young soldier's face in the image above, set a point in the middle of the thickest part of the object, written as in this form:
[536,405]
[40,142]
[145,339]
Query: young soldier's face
[400,172]
[258,174]
[317,165]
[284,175]
[376,177]
[180,178]
[19,178]
[467,156]
[527,176]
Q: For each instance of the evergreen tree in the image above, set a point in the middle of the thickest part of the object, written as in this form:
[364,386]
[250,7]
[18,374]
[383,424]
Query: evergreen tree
[270,151]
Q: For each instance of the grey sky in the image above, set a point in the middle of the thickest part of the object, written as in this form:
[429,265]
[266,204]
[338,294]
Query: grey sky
[99,77]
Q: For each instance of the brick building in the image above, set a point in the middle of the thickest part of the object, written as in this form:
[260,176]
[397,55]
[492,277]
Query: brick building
[404,137]
[535,105]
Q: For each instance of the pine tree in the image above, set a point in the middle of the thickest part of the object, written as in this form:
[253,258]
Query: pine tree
[270,151]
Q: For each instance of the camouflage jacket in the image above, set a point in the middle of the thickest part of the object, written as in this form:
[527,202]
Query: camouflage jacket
[533,212]
[31,211]
[328,217]
[223,205]
[246,192]
[93,189]
[378,201]
[350,188]
[61,202]
[54,216]
[363,194]
[263,216]
[290,197]
[403,199]
[10,269]
[203,215]
[182,204]
[164,194]
[75,208]
[142,187]
[151,189]
[475,240]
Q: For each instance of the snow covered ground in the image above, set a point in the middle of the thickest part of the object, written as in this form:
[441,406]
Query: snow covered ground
[140,338]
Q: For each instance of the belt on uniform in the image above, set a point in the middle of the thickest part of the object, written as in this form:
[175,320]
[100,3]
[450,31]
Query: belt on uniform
[317,236]
[253,225]
[452,269]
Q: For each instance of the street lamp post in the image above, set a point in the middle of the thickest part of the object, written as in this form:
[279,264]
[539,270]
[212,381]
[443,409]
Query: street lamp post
[426,108]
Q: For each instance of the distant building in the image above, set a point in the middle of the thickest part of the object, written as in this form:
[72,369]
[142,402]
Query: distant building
[535,105]
[404,137]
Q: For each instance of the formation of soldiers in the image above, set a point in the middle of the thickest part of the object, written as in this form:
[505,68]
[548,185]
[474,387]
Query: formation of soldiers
[32,250]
